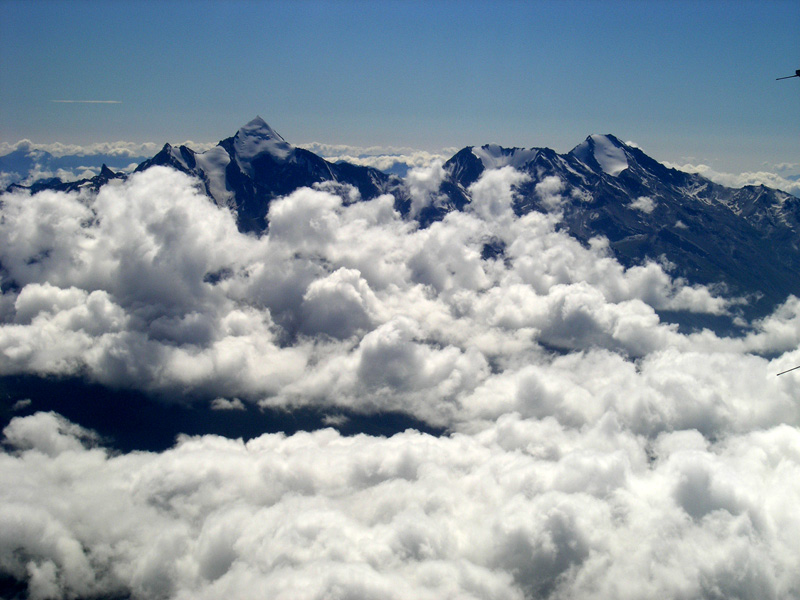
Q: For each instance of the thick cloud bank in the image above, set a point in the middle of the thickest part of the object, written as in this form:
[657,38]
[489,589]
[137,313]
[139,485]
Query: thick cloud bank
[596,451]
[525,508]
[147,284]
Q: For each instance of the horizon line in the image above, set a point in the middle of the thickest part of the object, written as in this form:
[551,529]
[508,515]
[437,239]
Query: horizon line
[88,101]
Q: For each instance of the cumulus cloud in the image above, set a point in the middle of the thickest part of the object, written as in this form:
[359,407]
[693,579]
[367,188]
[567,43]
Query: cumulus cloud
[549,191]
[594,450]
[644,203]
[340,305]
[493,194]
[146,284]
[227,404]
[522,509]
[423,185]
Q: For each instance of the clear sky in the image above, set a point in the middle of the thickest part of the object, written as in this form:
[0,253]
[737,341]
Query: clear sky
[687,81]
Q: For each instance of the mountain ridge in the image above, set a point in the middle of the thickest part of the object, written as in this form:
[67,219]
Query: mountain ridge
[745,239]
[255,165]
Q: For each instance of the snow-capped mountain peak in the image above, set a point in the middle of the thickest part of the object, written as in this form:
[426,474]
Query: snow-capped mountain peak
[258,127]
[256,138]
[604,151]
[604,187]
[246,171]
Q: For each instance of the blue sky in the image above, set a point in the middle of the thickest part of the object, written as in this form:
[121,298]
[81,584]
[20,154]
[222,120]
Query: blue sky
[687,81]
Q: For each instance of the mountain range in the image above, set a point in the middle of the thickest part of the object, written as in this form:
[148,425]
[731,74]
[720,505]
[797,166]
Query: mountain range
[745,241]
[251,368]
[36,166]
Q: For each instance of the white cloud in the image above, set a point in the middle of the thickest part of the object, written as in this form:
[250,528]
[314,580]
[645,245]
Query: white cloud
[493,194]
[88,101]
[423,185]
[306,219]
[524,508]
[59,149]
[48,433]
[148,284]
[119,148]
[385,158]
[549,191]
[591,443]
[644,203]
[21,404]
[340,305]
[227,404]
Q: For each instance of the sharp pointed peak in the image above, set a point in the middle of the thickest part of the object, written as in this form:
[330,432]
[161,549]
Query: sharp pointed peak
[603,151]
[604,138]
[255,138]
[260,128]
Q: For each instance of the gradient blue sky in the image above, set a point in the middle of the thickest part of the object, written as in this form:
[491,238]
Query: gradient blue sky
[687,81]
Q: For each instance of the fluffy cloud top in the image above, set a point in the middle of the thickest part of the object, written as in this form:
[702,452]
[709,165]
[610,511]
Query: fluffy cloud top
[523,509]
[594,449]
[390,159]
[644,204]
[147,284]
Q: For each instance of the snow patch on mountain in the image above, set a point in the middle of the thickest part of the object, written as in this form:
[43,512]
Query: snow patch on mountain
[213,164]
[496,157]
[606,151]
[611,157]
[256,138]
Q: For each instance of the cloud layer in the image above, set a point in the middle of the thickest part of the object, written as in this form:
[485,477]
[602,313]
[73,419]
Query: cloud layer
[147,284]
[385,158]
[120,148]
[523,509]
[595,450]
